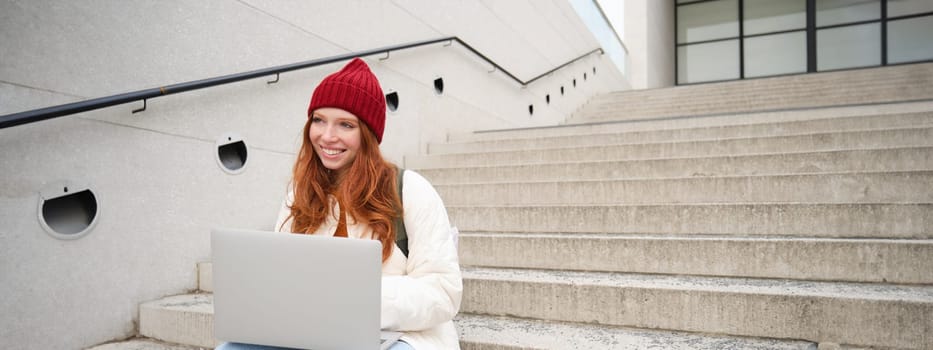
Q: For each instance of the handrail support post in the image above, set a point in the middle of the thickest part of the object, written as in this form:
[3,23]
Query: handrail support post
[141,109]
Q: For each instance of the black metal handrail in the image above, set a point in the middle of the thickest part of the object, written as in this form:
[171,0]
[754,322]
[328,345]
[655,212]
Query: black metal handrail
[40,114]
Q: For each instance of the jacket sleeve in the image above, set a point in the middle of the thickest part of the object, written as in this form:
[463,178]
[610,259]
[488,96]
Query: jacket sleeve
[430,293]
[280,223]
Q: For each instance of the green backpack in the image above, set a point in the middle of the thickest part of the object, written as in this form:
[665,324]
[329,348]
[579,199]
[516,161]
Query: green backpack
[401,237]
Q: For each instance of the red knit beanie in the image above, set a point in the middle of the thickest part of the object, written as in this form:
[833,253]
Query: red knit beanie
[354,89]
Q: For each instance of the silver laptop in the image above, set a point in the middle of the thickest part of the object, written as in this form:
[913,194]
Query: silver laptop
[297,291]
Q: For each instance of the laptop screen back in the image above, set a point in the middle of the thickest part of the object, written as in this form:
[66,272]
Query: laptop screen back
[297,291]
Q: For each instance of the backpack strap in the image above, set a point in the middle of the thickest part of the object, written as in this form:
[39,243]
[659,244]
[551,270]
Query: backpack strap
[401,237]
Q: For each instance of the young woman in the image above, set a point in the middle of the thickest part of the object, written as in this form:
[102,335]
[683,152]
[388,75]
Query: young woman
[343,187]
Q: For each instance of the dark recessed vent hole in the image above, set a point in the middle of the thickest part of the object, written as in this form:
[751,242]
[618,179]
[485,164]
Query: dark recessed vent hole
[439,86]
[70,214]
[392,101]
[562,91]
[547,98]
[594,70]
[531,109]
[584,76]
[232,155]
[574,82]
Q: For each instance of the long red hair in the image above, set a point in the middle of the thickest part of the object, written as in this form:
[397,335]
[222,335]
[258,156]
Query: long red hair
[366,190]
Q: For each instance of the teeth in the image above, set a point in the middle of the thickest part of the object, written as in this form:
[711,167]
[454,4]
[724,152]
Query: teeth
[331,151]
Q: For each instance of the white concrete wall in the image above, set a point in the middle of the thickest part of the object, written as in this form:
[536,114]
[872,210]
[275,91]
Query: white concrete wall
[649,37]
[159,187]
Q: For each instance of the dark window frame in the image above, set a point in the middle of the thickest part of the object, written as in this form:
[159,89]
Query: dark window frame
[811,41]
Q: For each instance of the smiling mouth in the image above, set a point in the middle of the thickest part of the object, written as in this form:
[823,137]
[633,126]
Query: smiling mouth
[332,152]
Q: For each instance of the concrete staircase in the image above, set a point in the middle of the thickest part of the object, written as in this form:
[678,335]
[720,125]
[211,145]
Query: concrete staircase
[804,228]
[794,209]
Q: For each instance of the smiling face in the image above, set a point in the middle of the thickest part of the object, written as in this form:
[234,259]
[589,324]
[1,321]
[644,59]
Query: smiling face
[335,135]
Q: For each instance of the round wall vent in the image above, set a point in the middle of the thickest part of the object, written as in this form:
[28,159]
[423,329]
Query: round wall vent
[231,153]
[67,211]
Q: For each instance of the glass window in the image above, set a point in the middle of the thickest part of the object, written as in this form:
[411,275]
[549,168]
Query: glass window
[707,21]
[910,40]
[848,47]
[908,7]
[708,62]
[776,54]
[830,12]
[764,16]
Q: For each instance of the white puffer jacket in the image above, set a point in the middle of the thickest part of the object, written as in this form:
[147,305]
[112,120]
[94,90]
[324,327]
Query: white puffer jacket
[420,294]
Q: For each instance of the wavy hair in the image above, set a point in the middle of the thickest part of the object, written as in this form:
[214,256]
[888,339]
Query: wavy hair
[366,190]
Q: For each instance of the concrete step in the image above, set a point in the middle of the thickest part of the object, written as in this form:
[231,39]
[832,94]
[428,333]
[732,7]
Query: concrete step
[895,159]
[900,261]
[689,134]
[479,332]
[483,332]
[790,90]
[781,219]
[887,84]
[143,344]
[724,120]
[846,313]
[625,109]
[849,140]
[182,319]
[882,187]
[702,106]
